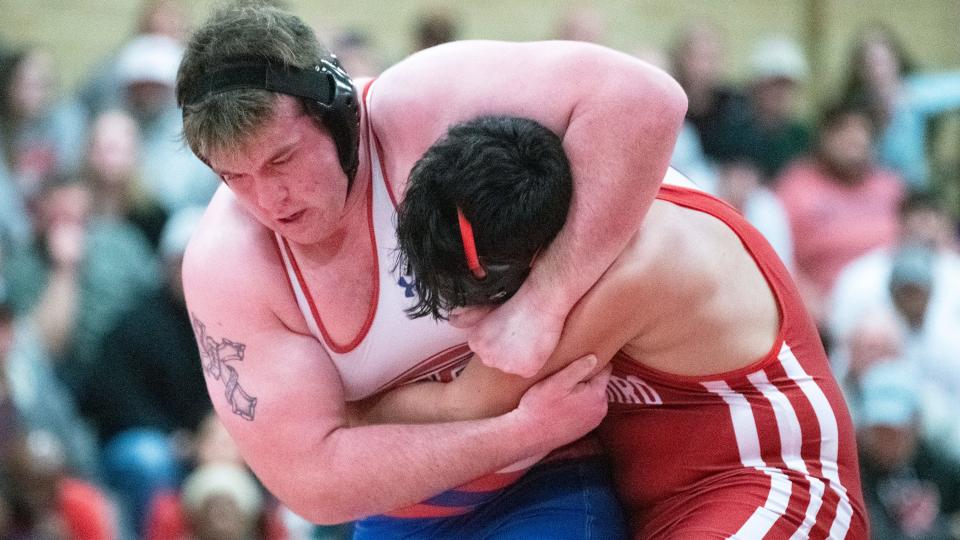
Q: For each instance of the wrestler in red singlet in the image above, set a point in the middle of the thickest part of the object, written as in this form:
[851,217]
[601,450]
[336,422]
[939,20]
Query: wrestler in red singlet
[724,418]
[765,451]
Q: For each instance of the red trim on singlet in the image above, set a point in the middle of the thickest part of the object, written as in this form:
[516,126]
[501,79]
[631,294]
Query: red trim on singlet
[492,482]
[372,312]
[426,511]
[376,142]
[383,170]
[446,358]
[375,295]
[718,209]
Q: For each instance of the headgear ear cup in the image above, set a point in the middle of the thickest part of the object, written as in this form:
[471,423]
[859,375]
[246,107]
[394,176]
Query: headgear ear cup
[342,117]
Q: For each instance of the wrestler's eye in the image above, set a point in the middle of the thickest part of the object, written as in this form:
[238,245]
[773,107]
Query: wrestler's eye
[280,160]
[231,178]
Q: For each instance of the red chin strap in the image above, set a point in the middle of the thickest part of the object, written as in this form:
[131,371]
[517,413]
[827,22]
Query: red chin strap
[470,247]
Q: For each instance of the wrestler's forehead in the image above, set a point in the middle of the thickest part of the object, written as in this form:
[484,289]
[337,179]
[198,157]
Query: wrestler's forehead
[287,127]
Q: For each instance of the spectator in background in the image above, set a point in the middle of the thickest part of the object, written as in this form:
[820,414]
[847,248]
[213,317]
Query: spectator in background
[714,107]
[79,275]
[772,135]
[862,285]
[358,53]
[112,170]
[220,498]
[901,101]
[171,174]
[918,283]
[157,395]
[911,489]
[34,396]
[46,501]
[688,156]
[222,502]
[874,339]
[103,89]
[839,202]
[739,181]
[40,134]
[435,27]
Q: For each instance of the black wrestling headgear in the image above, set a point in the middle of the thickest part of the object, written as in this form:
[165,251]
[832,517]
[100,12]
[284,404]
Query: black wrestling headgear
[326,89]
[488,283]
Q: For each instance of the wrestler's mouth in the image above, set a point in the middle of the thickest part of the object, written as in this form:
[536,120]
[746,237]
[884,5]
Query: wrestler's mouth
[292,217]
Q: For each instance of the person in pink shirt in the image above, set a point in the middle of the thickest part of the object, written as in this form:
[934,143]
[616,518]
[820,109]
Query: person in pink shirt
[839,202]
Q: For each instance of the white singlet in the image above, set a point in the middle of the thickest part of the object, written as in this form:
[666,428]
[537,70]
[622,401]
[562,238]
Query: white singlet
[391,349]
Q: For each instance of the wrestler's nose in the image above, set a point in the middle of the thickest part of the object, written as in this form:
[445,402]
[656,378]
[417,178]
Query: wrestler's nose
[272,193]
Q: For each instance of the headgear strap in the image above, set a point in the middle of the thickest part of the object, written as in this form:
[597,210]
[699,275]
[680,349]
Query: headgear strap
[470,247]
[325,84]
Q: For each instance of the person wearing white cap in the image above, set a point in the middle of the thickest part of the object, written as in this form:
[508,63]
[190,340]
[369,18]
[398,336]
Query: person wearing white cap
[910,488]
[773,134]
[222,501]
[147,71]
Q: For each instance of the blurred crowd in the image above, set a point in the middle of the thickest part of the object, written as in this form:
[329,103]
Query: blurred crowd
[106,429]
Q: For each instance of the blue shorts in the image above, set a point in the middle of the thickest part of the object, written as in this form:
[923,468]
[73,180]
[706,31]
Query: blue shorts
[572,499]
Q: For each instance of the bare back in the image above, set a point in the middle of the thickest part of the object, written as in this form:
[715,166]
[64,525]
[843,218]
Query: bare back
[703,306]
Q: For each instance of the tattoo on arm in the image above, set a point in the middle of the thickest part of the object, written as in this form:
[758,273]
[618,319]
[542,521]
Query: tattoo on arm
[214,356]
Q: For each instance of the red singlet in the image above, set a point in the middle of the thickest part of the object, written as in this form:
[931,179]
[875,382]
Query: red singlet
[766,451]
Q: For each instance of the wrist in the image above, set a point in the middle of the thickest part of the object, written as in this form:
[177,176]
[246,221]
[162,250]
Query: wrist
[550,304]
[527,432]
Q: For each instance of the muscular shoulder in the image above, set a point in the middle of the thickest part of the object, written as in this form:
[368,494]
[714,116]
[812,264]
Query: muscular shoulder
[456,81]
[664,263]
[232,260]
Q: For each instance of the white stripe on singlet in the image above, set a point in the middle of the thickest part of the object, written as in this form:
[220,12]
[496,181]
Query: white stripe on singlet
[791,440]
[829,438]
[748,444]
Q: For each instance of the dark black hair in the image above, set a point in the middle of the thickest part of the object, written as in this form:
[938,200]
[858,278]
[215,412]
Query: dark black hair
[509,176]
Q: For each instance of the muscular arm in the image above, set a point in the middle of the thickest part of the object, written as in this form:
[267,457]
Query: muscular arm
[280,397]
[618,118]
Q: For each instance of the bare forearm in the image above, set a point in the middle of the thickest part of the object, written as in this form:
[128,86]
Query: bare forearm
[619,150]
[374,469]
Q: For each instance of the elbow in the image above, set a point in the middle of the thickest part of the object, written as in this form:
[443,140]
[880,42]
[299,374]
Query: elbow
[327,507]
[327,516]
[652,96]
[321,491]
[666,99]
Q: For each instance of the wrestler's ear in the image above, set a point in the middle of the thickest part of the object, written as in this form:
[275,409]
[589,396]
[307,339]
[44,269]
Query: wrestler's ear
[466,317]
